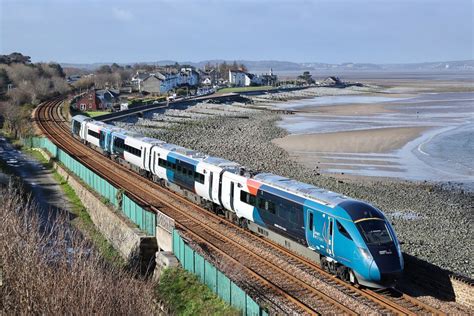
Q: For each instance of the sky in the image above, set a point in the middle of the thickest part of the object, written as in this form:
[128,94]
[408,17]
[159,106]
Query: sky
[330,31]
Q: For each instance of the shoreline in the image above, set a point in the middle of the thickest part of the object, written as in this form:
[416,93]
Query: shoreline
[423,212]
[373,141]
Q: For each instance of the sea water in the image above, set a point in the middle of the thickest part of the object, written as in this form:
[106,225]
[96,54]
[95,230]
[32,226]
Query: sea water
[445,152]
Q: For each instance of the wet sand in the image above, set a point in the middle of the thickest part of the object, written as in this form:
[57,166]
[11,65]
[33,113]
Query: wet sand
[377,140]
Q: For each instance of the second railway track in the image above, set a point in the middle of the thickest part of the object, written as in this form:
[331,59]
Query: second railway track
[277,275]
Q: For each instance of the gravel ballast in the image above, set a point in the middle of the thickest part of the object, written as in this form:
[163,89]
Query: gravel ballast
[434,221]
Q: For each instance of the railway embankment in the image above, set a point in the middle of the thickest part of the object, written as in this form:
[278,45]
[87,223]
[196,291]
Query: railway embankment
[131,242]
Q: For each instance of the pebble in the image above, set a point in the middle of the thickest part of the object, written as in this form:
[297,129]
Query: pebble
[444,213]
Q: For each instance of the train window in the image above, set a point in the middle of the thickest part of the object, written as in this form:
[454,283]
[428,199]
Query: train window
[93,134]
[310,224]
[132,150]
[178,168]
[252,199]
[282,212]
[185,170]
[173,166]
[248,198]
[244,196]
[161,162]
[293,215]
[374,232]
[201,178]
[331,222]
[270,206]
[190,173]
[342,230]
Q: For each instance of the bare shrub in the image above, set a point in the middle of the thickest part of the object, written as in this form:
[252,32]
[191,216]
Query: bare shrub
[48,268]
[20,72]
[60,85]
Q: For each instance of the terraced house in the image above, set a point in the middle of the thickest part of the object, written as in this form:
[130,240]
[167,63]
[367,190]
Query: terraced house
[159,83]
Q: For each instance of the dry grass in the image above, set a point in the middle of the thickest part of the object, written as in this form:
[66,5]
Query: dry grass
[47,267]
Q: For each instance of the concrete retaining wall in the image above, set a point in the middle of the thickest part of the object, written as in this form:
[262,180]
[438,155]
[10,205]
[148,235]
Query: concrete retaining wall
[124,235]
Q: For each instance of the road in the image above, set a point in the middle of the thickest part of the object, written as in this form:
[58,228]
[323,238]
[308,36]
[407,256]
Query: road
[44,188]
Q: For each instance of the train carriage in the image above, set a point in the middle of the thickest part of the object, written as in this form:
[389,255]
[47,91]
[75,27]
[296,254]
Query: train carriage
[93,129]
[213,169]
[349,238]
[179,165]
[78,125]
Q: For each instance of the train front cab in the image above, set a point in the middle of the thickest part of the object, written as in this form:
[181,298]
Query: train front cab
[364,251]
[377,258]
[78,126]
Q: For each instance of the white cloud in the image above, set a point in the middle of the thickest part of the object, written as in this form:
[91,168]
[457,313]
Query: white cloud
[122,15]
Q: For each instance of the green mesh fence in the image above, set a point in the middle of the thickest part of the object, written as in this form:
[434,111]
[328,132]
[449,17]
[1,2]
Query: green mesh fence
[214,279]
[145,220]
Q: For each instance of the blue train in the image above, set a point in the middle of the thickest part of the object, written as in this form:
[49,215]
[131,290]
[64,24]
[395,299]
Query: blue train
[347,237]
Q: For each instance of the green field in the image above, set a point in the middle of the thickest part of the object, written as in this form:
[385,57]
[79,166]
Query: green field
[243,89]
[95,113]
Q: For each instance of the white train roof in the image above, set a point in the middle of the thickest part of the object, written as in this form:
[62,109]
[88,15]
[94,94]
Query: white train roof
[223,163]
[81,118]
[184,151]
[301,188]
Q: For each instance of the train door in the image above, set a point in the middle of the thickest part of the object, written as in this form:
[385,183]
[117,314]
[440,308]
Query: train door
[232,189]
[211,179]
[310,228]
[330,236]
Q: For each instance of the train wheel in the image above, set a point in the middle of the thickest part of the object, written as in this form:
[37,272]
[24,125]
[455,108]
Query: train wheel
[243,223]
[325,264]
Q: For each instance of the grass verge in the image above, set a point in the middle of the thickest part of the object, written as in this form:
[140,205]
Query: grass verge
[82,219]
[243,89]
[95,113]
[186,295]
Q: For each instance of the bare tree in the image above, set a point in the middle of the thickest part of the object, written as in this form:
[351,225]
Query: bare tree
[20,72]
[17,120]
[60,85]
[19,96]
[84,83]
[48,267]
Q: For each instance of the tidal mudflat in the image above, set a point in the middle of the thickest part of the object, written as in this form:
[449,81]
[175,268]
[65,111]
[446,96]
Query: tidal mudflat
[421,136]
[432,218]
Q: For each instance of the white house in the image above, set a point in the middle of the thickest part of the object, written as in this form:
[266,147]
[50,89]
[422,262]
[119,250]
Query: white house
[237,78]
[243,79]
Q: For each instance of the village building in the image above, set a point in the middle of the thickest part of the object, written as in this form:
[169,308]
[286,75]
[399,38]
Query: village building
[159,83]
[138,78]
[97,100]
[237,78]
[152,84]
[240,78]
[269,79]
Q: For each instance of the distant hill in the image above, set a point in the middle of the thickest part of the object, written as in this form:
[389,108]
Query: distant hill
[287,66]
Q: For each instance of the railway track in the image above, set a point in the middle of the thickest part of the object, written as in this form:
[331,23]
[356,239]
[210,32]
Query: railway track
[266,268]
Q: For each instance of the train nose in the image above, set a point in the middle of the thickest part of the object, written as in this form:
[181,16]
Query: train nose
[374,271]
[384,278]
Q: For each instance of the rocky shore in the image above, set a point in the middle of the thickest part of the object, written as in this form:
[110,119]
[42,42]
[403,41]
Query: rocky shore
[433,221]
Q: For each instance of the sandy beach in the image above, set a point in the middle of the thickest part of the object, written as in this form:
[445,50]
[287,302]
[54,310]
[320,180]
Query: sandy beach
[377,140]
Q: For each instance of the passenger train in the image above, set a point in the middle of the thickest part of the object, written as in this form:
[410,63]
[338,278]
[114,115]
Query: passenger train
[347,237]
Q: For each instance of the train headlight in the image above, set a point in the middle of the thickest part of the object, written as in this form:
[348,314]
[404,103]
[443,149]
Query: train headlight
[366,254]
